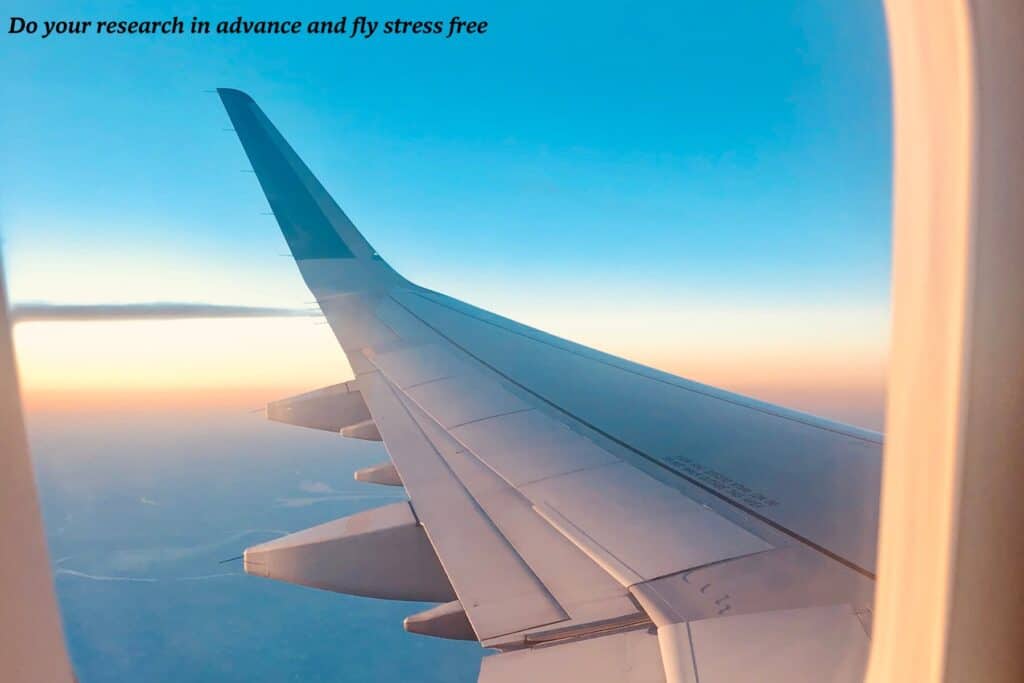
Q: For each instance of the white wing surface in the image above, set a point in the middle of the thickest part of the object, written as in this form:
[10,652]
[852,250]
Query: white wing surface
[587,517]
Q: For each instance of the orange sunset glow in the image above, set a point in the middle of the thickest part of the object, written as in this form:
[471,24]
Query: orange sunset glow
[831,367]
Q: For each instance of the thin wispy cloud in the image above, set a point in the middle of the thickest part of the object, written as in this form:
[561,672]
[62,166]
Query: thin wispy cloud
[316,487]
[41,311]
[143,579]
[101,577]
[145,560]
[302,502]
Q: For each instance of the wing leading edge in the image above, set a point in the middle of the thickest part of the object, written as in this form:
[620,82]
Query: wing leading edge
[589,516]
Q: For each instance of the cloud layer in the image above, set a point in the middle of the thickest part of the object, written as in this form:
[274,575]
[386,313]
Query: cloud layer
[159,310]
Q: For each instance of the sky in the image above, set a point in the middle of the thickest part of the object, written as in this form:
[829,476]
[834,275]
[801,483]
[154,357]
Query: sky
[699,187]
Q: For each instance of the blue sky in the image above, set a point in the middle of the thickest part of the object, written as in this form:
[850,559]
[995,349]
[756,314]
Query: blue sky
[575,160]
[740,149]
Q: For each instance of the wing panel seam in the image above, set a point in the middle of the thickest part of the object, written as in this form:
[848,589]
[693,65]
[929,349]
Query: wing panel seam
[759,409]
[695,482]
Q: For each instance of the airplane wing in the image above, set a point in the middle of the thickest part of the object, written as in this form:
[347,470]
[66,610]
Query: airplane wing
[587,517]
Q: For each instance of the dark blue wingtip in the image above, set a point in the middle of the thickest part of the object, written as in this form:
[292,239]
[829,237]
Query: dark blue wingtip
[232,94]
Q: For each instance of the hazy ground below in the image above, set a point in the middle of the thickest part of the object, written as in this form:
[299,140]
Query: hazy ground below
[141,505]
